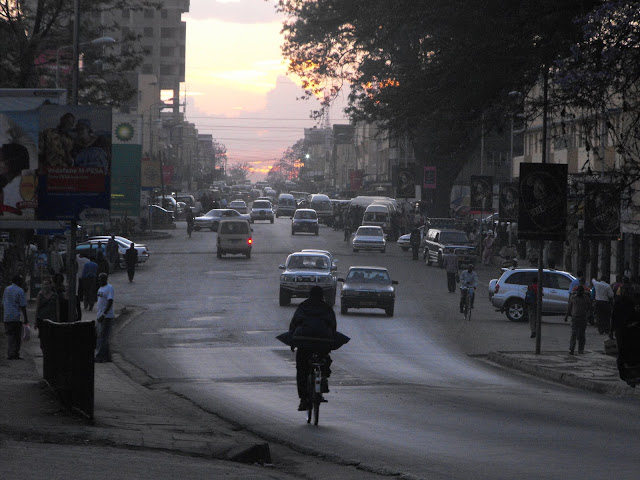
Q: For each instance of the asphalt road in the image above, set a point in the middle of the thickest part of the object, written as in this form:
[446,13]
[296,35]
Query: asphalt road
[408,393]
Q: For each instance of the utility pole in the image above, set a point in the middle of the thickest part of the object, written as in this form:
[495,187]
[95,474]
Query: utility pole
[545,106]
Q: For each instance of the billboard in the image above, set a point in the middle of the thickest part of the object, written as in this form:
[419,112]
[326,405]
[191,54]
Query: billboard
[601,210]
[74,164]
[18,164]
[150,174]
[542,210]
[126,164]
[429,177]
[481,193]
[405,182]
[508,202]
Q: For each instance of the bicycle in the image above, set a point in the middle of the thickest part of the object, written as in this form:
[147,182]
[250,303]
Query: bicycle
[317,384]
[469,293]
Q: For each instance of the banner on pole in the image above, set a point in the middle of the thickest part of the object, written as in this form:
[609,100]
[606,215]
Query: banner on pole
[481,193]
[542,210]
[508,202]
[601,210]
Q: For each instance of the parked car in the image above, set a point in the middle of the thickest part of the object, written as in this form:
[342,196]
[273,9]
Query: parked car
[123,245]
[507,293]
[304,220]
[304,270]
[404,241]
[261,210]
[160,216]
[368,287]
[437,239]
[234,237]
[369,238]
[212,218]
[239,205]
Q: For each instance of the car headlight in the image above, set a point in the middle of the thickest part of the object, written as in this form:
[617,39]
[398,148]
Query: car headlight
[323,280]
[287,278]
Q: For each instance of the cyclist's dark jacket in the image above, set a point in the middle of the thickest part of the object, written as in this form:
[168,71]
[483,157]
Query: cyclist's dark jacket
[313,318]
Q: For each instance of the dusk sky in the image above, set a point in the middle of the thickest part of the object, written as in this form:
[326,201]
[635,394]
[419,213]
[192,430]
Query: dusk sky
[236,81]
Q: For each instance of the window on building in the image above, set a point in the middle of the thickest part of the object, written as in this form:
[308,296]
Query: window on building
[147,69]
[149,12]
[126,13]
[148,32]
[148,50]
[168,32]
[164,13]
[166,69]
[167,51]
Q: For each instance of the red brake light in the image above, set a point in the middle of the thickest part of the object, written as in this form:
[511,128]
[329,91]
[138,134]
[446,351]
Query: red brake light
[250,241]
[497,288]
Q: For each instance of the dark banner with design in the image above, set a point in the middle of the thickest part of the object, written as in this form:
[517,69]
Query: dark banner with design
[405,180]
[481,193]
[508,202]
[601,210]
[542,210]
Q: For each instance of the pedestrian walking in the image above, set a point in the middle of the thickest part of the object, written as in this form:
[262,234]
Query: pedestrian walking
[579,309]
[131,259]
[89,281]
[14,302]
[603,299]
[450,263]
[414,240]
[531,305]
[47,306]
[105,318]
[113,253]
[487,254]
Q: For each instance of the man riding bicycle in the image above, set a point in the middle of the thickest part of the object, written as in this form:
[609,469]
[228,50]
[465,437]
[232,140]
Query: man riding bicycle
[314,318]
[468,279]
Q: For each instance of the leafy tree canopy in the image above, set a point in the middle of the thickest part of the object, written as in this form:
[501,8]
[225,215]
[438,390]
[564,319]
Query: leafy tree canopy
[239,172]
[428,68]
[32,32]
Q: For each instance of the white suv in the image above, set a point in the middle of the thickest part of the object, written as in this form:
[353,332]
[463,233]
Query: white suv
[261,210]
[507,293]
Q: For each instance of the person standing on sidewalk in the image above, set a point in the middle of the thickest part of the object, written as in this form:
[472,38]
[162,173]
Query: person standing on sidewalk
[450,263]
[14,302]
[88,280]
[603,299]
[47,306]
[131,259]
[579,309]
[105,317]
[531,304]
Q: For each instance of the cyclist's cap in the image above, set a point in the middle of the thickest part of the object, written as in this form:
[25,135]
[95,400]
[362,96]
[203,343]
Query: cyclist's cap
[470,265]
[316,292]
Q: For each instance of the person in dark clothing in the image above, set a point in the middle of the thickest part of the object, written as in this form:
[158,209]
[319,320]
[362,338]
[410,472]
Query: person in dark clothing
[131,259]
[316,319]
[579,309]
[626,327]
[414,240]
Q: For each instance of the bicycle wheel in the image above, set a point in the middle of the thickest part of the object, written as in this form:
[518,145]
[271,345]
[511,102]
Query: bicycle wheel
[310,397]
[468,312]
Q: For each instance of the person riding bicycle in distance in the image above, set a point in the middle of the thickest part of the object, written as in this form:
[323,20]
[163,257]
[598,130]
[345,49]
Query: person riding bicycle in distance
[468,279]
[314,318]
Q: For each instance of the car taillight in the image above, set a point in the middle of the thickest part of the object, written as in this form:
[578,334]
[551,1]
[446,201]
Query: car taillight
[250,241]
[497,288]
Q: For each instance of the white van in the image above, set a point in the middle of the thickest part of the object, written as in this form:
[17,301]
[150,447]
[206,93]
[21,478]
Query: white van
[286,205]
[378,215]
[234,236]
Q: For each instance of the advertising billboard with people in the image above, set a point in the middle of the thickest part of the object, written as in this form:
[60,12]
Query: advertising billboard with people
[74,163]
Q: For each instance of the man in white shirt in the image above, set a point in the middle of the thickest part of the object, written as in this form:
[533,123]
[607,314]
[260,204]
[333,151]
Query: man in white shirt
[468,279]
[105,317]
[604,297]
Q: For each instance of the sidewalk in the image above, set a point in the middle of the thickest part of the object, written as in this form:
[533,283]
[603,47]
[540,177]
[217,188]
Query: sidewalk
[128,415]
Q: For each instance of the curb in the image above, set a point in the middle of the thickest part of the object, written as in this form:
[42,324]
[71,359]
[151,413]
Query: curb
[506,359]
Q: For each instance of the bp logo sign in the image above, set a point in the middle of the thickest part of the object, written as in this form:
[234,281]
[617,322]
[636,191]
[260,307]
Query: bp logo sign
[124,132]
